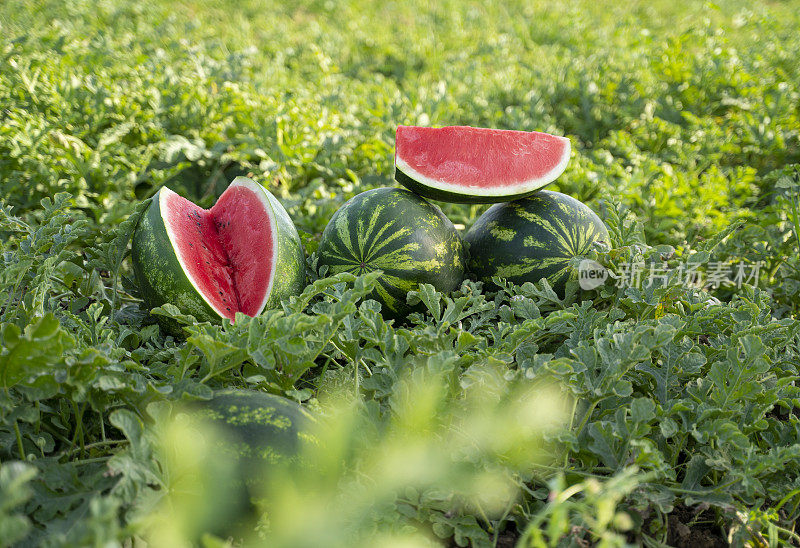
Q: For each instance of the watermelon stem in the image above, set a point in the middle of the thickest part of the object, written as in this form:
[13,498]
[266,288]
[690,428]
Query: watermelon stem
[324,370]
[483,514]
[93,460]
[586,417]
[95,445]
[571,423]
[17,432]
[358,384]
[78,436]
[502,520]
[19,440]
[102,426]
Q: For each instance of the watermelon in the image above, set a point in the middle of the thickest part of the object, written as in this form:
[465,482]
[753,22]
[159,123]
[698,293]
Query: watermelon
[400,233]
[542,236]
[242,255]
[257,428]
[252,435]
[464,164]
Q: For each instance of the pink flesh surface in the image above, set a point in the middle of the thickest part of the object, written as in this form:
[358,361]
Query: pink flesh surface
[227,249]
[486,158]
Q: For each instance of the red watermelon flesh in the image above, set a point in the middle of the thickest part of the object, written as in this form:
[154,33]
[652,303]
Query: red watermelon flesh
[227,251]
[479,162]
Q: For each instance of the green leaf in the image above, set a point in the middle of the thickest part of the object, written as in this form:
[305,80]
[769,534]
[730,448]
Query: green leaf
[27,354]
[14,492]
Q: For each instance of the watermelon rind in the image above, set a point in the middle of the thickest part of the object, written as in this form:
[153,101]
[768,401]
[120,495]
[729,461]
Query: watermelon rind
[162,277]
[544,235]
[400,233]
[258,427]
[290,260]
[159,274]
[252,435]
[442,190]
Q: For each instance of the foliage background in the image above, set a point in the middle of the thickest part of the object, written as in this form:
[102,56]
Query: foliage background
[685,126]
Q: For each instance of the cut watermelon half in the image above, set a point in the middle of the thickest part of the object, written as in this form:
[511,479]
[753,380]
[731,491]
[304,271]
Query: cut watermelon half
[464,164]
[228,251]
[214,263]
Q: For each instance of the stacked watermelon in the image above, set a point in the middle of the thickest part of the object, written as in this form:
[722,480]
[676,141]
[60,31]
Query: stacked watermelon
[530,235]
[244,254]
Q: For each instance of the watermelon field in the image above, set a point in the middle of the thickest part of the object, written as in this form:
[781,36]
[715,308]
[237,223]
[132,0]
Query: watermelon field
[611,361]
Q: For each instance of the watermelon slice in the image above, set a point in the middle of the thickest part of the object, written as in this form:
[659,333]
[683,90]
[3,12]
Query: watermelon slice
[464,164]
[242,255]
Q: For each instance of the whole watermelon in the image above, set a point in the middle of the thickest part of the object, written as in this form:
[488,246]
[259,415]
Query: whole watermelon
[254,434]
[399,233]
[258,428]
[542,236]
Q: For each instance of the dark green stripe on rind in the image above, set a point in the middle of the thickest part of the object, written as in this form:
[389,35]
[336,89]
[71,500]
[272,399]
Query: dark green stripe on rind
[456,197]
[267,428]
[542,236]
[400,233]
[249,437]
[158,272]
[290,261]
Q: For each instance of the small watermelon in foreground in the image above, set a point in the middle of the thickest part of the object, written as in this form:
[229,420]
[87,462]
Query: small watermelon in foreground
[247,438]
[258,428]
[542,236]
[464,164]
[396,231]
[242,255]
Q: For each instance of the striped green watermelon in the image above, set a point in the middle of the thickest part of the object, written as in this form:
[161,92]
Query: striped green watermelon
[257,427]
[254,434]
[242,255]
[477,165]
[400,233]
[542,236]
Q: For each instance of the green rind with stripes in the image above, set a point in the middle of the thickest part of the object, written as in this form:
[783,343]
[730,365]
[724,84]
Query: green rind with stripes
[542,236]
[456,197]
[290,259]
[158,272]
[251,434]
[258,427]
[399,233]
[161,279]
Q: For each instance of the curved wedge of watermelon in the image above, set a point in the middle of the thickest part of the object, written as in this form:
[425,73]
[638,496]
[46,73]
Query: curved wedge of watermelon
[242,255]
[464,164]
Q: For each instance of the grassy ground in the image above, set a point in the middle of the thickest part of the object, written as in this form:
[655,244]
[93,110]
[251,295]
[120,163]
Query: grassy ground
[684,121]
